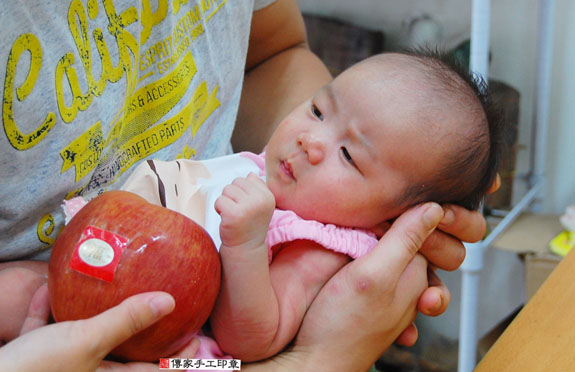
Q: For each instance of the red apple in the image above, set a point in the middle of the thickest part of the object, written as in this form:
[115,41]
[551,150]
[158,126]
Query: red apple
[119,245]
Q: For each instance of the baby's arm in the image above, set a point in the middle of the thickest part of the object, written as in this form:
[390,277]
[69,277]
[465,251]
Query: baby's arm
[246,303]
[260,308]
[296,275]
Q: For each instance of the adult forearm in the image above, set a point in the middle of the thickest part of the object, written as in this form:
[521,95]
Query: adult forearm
[271,90]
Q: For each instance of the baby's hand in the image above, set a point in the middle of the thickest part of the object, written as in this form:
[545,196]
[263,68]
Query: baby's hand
[246,207]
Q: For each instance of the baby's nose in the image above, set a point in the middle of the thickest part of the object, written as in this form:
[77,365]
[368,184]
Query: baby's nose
[312,146]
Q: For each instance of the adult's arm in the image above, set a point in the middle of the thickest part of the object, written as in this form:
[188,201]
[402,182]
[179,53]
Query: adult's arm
[281,72]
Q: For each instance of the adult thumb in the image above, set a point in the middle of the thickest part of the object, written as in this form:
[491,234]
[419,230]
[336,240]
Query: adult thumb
[133,315]
[403,240]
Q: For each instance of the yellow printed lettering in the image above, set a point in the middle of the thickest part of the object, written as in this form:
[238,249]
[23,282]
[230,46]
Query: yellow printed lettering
[92,8]
[206,5]
[84,152]
[209,4]
[45,229]
[167,52]
[164,66]
[110,72]
[149,19]
[176,4]
[197,31]
[187,153]
[79,100]
[78,23]
[145,107]
[20,141]
[204,106]
[138,147]
[74,193]
[195,15]
[162,49]
[127,44]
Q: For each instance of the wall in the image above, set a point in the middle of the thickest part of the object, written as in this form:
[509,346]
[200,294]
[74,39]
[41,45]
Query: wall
[514,52]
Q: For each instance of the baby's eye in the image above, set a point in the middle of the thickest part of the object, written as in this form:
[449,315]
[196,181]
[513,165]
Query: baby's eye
[347,156]
[316,112]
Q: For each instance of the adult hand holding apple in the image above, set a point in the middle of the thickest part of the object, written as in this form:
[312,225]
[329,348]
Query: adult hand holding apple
[79,346]
[119,245]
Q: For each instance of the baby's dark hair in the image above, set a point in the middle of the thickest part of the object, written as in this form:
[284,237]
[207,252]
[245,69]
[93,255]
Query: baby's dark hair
[468,174]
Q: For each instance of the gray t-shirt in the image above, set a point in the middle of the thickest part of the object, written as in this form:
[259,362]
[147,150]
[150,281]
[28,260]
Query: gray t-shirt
[90,88]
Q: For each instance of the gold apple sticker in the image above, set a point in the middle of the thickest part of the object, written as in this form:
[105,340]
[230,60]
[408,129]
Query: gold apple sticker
[98,252]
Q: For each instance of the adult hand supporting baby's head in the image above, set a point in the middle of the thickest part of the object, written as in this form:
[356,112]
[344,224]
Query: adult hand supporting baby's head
[444,249]
[369,302]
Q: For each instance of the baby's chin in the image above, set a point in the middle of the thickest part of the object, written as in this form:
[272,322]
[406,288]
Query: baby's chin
[288,205]
[311,214]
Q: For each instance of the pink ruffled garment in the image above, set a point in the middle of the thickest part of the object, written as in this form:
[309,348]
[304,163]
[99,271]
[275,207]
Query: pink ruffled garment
[286,226]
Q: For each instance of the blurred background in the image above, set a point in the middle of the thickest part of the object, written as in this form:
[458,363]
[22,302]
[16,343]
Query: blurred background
[344,32]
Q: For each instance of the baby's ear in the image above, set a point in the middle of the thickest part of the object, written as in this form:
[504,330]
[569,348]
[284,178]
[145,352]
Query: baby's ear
[495,185]
[381,228]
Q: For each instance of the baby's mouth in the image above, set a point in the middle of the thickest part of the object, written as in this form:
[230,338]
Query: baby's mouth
[286,169]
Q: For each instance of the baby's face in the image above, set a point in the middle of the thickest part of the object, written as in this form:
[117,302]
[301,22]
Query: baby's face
[346,155]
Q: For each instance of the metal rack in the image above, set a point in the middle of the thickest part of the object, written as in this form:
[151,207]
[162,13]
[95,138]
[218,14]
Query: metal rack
[473,263]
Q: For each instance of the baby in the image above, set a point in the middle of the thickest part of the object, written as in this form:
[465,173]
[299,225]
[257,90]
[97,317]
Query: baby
[390,132]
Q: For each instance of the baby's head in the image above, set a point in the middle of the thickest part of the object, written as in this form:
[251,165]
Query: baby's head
[388,133]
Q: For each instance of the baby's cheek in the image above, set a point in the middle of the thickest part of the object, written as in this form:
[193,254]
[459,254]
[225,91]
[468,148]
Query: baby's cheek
[274,188]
